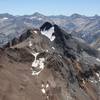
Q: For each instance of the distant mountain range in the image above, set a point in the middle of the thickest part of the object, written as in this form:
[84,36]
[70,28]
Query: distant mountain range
[87,28]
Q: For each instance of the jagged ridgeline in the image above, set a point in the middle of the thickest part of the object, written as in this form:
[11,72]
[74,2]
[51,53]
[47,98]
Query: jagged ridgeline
[49,64]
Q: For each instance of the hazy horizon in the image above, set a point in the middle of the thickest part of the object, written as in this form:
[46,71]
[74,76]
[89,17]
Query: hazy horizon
[51,15]
[50,7]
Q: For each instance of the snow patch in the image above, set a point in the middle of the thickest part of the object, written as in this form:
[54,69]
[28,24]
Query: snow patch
[44,88]
[83,35]
[53,48]
[43,91]
[83,81]
[35,32]
[93,81]
[37,65]
[47,85]
[78,59]
[35,54]
[32,17]
[5,18]
[48,33]
[47,50]
[99,49]
[42,85]
[60,56]
[39,18]
[30,43]
[35,18]
[35,73]
[47,97]
[98,75]
[98,59]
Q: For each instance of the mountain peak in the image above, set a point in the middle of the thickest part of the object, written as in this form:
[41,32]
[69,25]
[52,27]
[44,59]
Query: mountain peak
[65,62]
[46,26]
[37,14]
[75,15]
[6,15]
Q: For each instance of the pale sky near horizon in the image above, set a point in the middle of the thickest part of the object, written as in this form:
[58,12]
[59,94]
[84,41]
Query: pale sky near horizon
[50,7]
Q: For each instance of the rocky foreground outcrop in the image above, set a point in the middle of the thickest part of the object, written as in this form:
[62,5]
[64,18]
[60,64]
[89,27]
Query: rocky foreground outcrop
[54,66]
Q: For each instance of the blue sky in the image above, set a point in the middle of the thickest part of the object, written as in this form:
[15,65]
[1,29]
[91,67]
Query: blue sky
[50,7]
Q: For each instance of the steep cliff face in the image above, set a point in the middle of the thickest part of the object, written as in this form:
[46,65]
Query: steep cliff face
[54,66]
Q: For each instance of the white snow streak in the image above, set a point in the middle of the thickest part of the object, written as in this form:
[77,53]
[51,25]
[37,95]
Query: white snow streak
[53,48]
[47,85]
[99,49]
[35,32]
[5,18]
[98,59]
[49,33]
[30,43]
[43,91]
[37,65]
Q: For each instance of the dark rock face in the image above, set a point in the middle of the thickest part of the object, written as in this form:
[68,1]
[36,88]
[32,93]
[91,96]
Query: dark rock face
[19,55]
[46,26]
[18,39]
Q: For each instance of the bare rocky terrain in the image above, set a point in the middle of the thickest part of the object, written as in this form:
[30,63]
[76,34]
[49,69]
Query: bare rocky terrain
[54,66]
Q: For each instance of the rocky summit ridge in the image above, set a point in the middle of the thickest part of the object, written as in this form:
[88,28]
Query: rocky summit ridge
[49,64]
